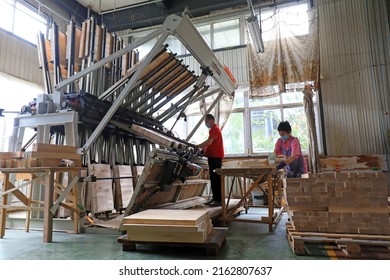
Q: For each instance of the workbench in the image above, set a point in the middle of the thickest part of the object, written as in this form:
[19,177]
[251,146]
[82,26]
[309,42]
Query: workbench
[257,174]
[46,177]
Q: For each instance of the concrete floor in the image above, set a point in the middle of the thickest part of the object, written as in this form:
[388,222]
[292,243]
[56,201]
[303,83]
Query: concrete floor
[244,241]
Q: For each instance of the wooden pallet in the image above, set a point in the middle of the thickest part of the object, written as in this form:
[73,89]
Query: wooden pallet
[211,246]
[350,244]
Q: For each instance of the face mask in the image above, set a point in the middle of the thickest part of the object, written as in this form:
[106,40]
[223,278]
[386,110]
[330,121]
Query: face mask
[285,137]
[208,125]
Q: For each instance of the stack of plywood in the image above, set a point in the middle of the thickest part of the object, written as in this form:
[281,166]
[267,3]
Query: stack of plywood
[176,226]
[355,203]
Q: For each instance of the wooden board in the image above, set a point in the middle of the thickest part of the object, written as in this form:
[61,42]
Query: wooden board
[54,155]
[40,147]
[102,197]
[123,187]
[10,155]
[168,217]
[211,245]
[82,40]
[169,233]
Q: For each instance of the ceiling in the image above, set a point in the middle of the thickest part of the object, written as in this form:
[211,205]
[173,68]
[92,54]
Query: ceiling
[134,14]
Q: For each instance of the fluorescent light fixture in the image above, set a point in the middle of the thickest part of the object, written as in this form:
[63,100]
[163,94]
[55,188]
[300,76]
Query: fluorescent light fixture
[254,26]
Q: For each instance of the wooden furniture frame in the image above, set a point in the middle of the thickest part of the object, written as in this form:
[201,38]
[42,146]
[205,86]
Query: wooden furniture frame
[270,174]
[45,176]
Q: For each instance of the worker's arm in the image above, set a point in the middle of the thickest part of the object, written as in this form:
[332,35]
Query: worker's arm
[206,143]
[290,159]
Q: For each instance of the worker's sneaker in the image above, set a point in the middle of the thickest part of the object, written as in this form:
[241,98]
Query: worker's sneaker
[210,201]
[214,203]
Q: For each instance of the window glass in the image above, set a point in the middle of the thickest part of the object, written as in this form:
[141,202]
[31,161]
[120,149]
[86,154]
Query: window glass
[292,97]
[6,14]
[202,133]
[233,134]
[264,101]
[238,99]
[264,131]
[226,34]
[174,45]
[204,30]
[297,119]
[146,48]
[28,23]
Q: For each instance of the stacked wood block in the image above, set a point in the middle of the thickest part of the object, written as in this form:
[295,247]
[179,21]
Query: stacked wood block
[48,155]
[42,155]
[355,203]
[161,225]
[10,159]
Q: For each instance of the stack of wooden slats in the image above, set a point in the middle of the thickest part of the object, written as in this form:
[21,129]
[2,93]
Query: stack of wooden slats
[48,155]
[42,155]
[176,226]
[10,159]
[355,203]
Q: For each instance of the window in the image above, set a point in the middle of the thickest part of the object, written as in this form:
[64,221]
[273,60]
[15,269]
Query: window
[28,23]
[26,92]
[21,20]
[226,34]
[204,30]
[174,45]
[6,14]
[233,134]
[264,132]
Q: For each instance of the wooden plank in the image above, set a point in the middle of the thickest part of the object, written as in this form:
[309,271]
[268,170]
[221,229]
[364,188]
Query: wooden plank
[40,147]
[211,245]
[82,40]
[168,216]
[62,49]
[123,187]
[54,155]
[167,236]
[98,43]
[10,155]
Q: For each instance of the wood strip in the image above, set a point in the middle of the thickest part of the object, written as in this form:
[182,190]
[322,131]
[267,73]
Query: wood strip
[166,216]
[81,51]
[52,155]
[40,147]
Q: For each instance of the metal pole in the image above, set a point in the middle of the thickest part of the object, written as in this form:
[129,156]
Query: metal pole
[201,120]
[118,102]
[110,58]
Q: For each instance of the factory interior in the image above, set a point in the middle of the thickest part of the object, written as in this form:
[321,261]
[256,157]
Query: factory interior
[194,129]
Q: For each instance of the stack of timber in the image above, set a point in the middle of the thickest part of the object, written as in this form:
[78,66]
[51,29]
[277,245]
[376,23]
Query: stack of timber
[10,159]
[338,205]
[42,155]
[158,225]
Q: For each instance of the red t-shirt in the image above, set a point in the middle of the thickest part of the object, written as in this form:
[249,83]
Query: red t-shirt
[215,149]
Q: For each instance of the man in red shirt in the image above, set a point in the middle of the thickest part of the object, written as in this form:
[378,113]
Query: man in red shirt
[213,150]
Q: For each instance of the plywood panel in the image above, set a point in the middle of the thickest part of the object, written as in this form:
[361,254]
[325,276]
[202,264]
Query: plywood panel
[102,197]
[123,187]
[168,217]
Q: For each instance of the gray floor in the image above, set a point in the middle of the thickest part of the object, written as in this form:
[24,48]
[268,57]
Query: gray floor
[244,241]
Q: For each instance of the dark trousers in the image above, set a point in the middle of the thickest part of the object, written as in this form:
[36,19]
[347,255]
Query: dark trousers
[215,179]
